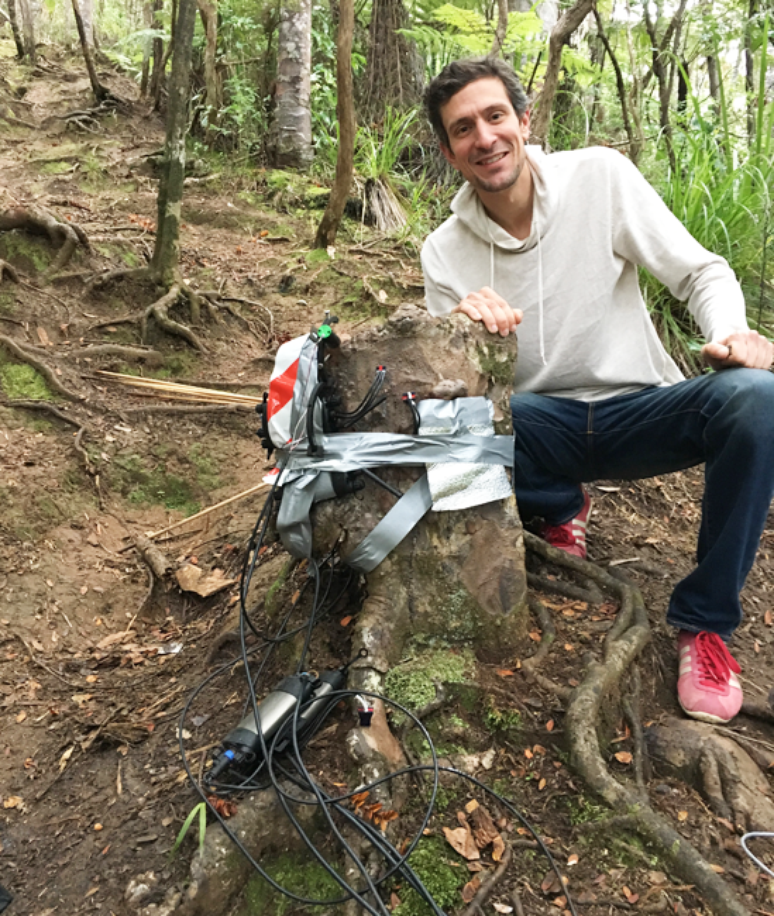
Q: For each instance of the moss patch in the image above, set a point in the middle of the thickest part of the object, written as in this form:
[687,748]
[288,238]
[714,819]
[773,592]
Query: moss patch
[147,486]
[301,875]
[440,871]
[23,382]
[411,683]
[29,253]
[496,363]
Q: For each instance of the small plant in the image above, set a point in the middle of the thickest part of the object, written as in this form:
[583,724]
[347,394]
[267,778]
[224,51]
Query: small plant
[503,722]
[199,811]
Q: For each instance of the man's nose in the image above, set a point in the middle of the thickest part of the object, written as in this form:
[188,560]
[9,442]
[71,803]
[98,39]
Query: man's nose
[485,135]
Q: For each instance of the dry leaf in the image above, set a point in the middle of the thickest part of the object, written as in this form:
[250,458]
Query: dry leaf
[541,784]
[65,757]
[193,579]
[528,754]
[394,898]
[21,717]
[718,869]
[469,891]
[623,757]
[550,725]
[498,848]
[504,672]
[573,860]
[461,841]
[767,618]
[484,830]
[502,908]
[13,801]
[471,806]
[551,884]
[682,815]
[346,621]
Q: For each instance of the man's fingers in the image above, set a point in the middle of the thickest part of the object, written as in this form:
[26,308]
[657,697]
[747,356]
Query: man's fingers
[492,310]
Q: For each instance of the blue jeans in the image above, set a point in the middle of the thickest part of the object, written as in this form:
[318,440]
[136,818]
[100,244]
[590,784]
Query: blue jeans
[725,419]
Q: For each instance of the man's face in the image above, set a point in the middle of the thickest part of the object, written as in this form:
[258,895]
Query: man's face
[486,137]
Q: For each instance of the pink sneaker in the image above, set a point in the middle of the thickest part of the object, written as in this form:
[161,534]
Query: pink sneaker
[707,686]
[571,536]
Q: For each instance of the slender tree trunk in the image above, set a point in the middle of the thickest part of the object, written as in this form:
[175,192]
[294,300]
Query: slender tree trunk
[714,83]
[345,105]
[166,253]
[28,29]
[208,10]
[147,15]
[502,28]
[291,141]
[749,70]
[157,72]
[87,15]
[634,145]
[569,22]
[17,35]
[100,93]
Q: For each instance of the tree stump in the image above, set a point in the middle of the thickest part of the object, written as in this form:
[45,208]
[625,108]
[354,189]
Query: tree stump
[458,577]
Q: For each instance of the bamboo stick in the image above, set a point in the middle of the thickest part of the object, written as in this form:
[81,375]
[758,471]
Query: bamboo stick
[177,391]
[231,499]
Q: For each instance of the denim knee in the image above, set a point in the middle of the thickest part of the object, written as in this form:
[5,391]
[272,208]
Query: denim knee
[743,400]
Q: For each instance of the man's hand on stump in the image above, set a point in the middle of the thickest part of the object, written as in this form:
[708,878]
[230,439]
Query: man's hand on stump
[492,310]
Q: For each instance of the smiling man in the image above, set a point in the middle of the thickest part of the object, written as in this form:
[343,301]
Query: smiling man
[550,245]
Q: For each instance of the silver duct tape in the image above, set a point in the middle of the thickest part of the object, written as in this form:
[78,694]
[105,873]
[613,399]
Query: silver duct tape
[461,485]
[350,451]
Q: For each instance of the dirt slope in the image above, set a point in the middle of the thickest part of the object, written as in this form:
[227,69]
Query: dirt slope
[94,666]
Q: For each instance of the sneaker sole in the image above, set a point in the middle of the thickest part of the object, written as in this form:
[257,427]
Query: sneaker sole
[704,716]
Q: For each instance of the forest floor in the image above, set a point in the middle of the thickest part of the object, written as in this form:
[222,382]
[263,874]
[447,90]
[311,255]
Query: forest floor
[95,669]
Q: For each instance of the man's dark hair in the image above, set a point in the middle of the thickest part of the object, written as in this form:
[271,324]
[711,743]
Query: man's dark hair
[460,73]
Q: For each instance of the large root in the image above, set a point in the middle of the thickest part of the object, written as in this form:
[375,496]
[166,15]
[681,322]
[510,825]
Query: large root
[66,236]
[159,310]
[624,642]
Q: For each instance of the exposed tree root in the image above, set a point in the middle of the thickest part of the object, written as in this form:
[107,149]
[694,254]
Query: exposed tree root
[26,356]
[154,357]
[5,268]
[567,589]
[624,642]
[530,665]
[67,236]
[158,310]
[486,889]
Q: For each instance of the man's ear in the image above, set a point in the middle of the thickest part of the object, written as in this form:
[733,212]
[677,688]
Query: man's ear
[448,155]
[524,121]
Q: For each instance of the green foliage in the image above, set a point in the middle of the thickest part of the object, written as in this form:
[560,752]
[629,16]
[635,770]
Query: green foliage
[144,486]
[504,722]
[438,868]
[22,382]
[379,151]
[200,812]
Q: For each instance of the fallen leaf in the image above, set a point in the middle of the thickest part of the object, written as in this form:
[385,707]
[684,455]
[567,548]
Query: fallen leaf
[461,841]
[541,785]
[767,618]
[193,579]
[573,860]
[394,898]
[21,717]
[718,869]
[13,801]
[346,621]
[65,757]
[471,806]
[498,848]
[551,884]
[623,757]
[502,908]
[469,891]
[550,725]
[682,815]
[504,672]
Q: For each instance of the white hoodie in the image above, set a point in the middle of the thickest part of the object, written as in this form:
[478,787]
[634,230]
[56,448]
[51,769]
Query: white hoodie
[586,333]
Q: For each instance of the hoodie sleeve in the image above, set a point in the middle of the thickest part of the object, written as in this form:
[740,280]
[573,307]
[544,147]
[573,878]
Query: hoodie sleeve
[647,233]
[439,297]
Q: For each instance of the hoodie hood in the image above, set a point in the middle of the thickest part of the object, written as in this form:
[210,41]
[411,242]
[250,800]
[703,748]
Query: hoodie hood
[468,208]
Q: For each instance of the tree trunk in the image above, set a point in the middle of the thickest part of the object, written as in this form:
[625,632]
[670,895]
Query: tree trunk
[749,69]
[634,145]
[714,82]
[502,28]
[208,10]
[393,71]
[87,15]
[570,21]
[147,15]
[166,253]
[17,35]
[100,93]
[291,140]
[29,30]
[329,225]
[157,72]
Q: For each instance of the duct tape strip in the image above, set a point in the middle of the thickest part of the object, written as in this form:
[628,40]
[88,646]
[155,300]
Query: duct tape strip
[351,451]
[391,530]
